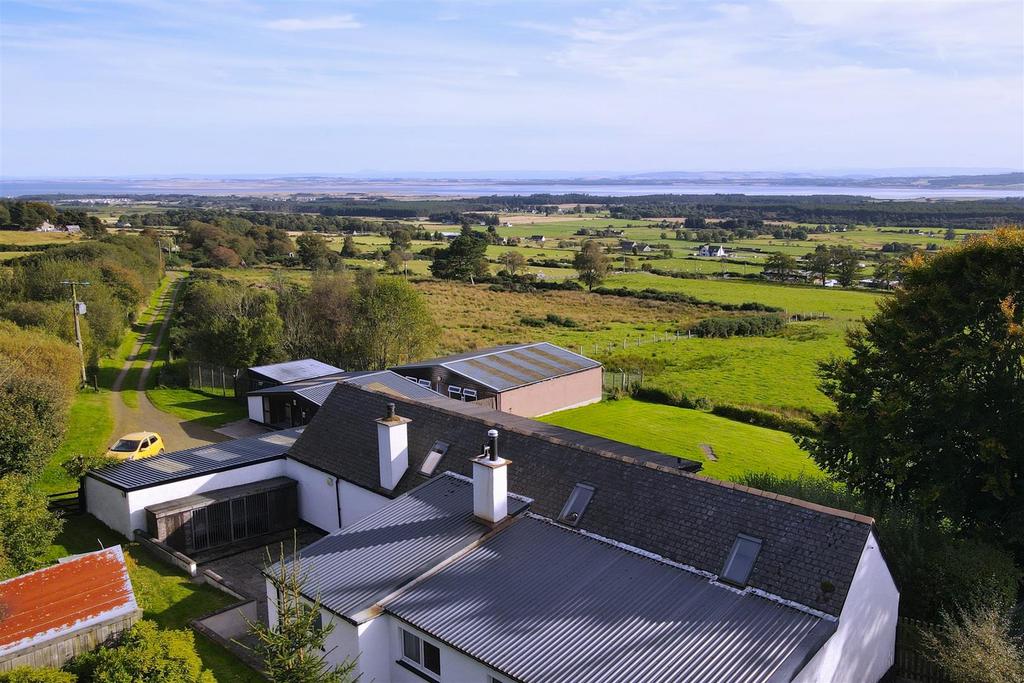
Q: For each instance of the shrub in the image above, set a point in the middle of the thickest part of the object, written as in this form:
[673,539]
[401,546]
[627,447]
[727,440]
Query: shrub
[765,418]
[145,653]
[34,674]
[532,322]
[27,527]
[974,644]
[739,326]
[564,321]
[663,396]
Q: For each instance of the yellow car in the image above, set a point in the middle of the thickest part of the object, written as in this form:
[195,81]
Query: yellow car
[137,445]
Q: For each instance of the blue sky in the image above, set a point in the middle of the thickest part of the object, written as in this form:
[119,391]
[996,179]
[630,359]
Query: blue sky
[137,87]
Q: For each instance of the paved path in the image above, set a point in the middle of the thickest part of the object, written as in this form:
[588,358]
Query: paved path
[145,416]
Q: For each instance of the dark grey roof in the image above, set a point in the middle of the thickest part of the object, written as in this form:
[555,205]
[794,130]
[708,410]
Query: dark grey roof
[508,367]
[638,499]
[385,381]
[139,474]
[295,370]
[539,602]
[355,567]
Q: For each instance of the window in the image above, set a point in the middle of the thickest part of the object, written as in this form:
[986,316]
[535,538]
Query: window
[576,505]
[740,561]
[421,653]
[438,451]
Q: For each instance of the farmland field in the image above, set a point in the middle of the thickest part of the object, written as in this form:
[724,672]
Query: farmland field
[738,447]
[32,238]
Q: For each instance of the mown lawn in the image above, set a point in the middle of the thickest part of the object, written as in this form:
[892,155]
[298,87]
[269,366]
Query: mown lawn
[208,409]
[739,447]
[165,595]
[90,423]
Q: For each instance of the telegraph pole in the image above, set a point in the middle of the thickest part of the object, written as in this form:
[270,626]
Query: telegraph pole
[75,306]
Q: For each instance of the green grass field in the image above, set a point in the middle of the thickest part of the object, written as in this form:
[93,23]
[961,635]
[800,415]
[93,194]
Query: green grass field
[165,595]
[31,237]
[210,409]
[90,424]
[739,447]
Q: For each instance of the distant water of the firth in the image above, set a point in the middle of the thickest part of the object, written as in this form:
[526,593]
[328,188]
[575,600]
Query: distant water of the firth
[463,188]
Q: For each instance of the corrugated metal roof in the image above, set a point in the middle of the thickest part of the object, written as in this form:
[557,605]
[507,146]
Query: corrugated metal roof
[385,381]
[355,567]
[392,383]
[78,593]
[539,602]
[139,474]
[295,370]
[508,367]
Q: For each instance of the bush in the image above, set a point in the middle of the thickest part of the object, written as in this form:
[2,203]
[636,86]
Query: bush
[34,674]
[532,322]
[27,527]
[765,418]
[144,653]
[663,396]
[739,326]
[975,645]
[563,321]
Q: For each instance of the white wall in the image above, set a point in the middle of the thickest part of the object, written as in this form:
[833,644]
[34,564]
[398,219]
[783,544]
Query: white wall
[455,666]
[109,505]
[255,408]
[863,647]
[318,497]
[357,502]
[375,658]
[138,500]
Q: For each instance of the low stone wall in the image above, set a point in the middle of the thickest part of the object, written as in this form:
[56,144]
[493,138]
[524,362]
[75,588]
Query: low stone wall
[166,553]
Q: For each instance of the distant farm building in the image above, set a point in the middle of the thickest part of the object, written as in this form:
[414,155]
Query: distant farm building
[53,614]
[630,247]
[523,379]
[711,250]
[536,238]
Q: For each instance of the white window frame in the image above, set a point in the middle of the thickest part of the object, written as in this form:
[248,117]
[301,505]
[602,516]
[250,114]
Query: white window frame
[420,642]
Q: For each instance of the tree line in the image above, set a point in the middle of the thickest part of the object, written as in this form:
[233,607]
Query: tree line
[357,321]
[29,215]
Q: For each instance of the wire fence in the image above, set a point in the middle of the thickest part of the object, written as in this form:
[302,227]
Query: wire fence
[212,378]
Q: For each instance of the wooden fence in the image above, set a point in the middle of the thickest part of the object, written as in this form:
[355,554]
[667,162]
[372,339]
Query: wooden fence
[911,662]
[624,380]
[67,503]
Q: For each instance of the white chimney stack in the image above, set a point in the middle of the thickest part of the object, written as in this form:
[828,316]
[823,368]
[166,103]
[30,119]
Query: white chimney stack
[490,482]
[392,448]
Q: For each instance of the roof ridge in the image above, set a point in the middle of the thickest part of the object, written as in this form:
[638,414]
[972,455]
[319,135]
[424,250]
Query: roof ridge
[814,507]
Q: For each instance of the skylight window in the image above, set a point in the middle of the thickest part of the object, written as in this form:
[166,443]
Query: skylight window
[576,505]
[438,451]
[741,560]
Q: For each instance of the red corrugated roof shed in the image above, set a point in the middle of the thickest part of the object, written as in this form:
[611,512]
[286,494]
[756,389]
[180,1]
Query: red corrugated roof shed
[81,591]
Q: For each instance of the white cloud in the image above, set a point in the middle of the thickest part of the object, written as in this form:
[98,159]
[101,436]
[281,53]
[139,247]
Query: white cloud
[332,23]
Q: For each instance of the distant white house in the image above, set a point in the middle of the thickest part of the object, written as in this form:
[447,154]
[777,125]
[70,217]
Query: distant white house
[711,250]
[537,238]
[73,229]
[47,226]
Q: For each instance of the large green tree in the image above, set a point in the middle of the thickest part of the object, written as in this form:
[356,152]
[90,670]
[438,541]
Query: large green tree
[780,266]
[391,323]
[930,403]
[591,264]
[464,259]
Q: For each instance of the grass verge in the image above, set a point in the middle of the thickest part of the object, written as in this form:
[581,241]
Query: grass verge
[196,406]
[90,423]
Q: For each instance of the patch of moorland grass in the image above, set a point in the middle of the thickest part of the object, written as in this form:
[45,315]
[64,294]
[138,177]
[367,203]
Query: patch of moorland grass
[165,594]
[740,448]
[202,407]
[90,423]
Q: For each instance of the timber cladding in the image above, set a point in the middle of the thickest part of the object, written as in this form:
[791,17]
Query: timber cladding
[220,517]
[56,653]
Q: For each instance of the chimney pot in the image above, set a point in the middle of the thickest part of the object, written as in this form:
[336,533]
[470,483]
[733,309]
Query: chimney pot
[492,443]
[391,412]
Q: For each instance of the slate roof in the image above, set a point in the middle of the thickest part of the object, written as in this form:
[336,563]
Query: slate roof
[78,593]
[132,475]
[511,366]
[639,499]
[295,370]
[539,602]
[354,568]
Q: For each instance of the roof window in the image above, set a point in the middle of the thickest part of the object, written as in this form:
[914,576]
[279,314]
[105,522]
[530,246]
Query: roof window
[740,561]
[576,505]
[437,451]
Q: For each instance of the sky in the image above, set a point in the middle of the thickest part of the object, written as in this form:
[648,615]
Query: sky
[167,87]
